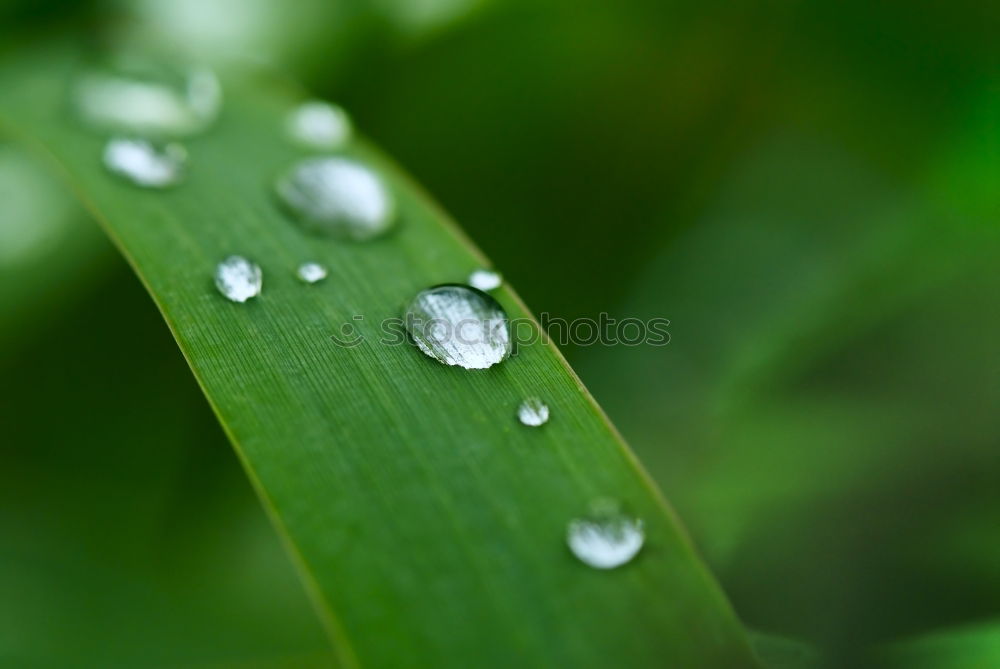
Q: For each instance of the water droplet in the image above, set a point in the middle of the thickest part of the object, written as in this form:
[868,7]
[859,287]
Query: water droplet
[484,279]
[337,197]
[319,125]
[311,272]
[238,279]
[606,537]
[459,325]
[148,99]
[144,163]
[533,412]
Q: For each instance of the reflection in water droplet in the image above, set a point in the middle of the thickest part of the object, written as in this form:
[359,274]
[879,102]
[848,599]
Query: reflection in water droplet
[458,325]
[533,412]
[238,279]
[606,538]
[484,279]
[144,163]
[147,100]
[311,272]
[337,197]
[319,125]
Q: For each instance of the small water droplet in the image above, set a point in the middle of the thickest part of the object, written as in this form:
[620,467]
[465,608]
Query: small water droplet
[337,197]
[606,537]
[238,279]
[459,325]
[533,412]
[311,272]
[319,125]
[147,99]
[144,163]
[484,279]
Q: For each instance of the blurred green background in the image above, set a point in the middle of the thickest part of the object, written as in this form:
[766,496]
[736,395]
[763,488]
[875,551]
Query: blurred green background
[809,191]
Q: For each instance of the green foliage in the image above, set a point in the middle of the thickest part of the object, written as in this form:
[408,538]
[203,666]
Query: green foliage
[808,192]
[428,523]
[968,647]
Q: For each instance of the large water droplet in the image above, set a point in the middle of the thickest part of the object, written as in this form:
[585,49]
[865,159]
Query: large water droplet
[311,272]
[337,197]
[484,279]
[148,99]
[238,279]
[533,412]
[458,325]
[144,163]
[319,125]
[606,537]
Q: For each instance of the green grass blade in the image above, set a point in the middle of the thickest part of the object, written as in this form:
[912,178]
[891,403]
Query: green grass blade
[428,523]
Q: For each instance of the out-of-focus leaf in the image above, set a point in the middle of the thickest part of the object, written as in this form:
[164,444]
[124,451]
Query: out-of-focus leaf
[776,652]
[970,647]
[50,254]
[830,378]
[131,546]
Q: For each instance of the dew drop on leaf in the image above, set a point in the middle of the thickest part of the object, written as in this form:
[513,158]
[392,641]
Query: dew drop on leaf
[319,125]
[311,272]
[459,325]
[484,279]
[337,197]
[144,163]
[606,537]
[533,412]
[147,99]
[238,279]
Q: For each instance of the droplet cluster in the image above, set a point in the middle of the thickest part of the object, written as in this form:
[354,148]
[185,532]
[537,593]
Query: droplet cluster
[146,111]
